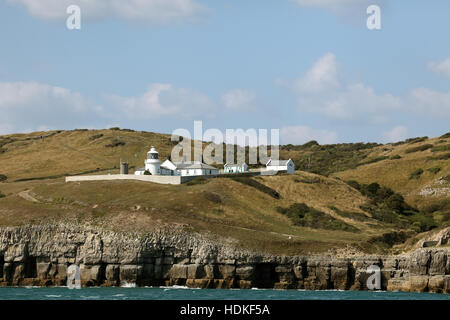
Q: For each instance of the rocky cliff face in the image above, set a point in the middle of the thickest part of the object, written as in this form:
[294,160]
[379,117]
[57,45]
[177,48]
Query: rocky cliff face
[40,255]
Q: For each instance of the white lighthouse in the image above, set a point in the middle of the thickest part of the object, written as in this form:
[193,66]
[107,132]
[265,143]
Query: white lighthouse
[152,163]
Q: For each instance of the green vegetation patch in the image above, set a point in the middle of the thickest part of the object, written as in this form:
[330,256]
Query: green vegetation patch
[446,135]
[302,215]
[419,148]
[196,181]
[434,170]
[328,159]
[416,174]
[96,136]
[2,195]
[115,143]
[390,238]
[397,156]
[3,177]
[445,147]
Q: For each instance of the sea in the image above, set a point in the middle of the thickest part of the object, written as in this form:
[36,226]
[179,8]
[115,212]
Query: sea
[184,293]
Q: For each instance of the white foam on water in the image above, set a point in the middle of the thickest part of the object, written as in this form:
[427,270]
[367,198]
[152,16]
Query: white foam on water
[128,285]
[53,295]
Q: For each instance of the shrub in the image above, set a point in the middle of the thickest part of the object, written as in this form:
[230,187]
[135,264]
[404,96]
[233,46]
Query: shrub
[447,135]
[416,174]
[195,181]
[370,189]
[419,148]
[434,170]
[310,144]
[96,136]
[354,184]
[445,147]
[302,215]
[416,140]
[115,143]
[147,173]
[397,156]
[390,238]
[2,195]
[3,177]
[114,128]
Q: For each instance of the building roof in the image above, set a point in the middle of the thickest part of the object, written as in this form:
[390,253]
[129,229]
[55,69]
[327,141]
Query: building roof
[235,164]
[278,163]
[191,165]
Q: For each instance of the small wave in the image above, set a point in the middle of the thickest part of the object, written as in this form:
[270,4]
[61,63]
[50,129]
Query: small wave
[118,295]
[90,297]
[128,285]
[53,295]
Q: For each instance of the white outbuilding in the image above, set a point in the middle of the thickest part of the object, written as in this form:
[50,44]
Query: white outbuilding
[281,165]
[235,167]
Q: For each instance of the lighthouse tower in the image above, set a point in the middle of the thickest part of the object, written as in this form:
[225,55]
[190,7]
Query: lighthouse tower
[152,163]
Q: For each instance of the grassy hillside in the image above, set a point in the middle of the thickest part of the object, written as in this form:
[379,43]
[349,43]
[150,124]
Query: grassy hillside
[291,214]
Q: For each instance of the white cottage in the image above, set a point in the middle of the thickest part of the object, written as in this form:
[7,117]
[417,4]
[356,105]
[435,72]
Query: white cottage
[235,168]
[189,168]
[281,165]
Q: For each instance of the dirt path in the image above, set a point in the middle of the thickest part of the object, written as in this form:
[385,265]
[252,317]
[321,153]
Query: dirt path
[26,195]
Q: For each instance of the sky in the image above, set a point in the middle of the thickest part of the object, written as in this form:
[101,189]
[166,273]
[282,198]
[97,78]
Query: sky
[310,68]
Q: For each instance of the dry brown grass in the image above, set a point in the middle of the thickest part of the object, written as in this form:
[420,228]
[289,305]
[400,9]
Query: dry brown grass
[221,206]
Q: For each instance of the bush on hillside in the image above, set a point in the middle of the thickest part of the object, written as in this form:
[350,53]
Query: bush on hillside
[115,143]
[3,177]
[434,170]
[416,174]
[445,147]
[419,148]
[397,156]
[302,215]
[446,135]
[96,136]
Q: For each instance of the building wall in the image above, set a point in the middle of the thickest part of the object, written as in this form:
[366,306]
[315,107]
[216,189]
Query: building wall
[155,179]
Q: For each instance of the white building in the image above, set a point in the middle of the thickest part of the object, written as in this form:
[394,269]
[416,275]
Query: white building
[189,168]
[281,165]
[235,168]
[169,168]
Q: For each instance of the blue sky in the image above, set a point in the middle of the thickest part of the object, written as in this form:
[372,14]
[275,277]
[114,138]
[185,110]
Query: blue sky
[310,68]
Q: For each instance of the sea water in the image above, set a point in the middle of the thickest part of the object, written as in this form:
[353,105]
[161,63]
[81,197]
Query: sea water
[182,293]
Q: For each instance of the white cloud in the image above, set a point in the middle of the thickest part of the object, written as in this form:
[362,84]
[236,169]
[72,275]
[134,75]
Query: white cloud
[321,91]
[303,134]
[442,67]
[397,133]
[150,11]
[322,76]
[356,7]
[161,99]
[238,99]
[30,105]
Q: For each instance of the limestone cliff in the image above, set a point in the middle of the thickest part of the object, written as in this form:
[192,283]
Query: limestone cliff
[40,255]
